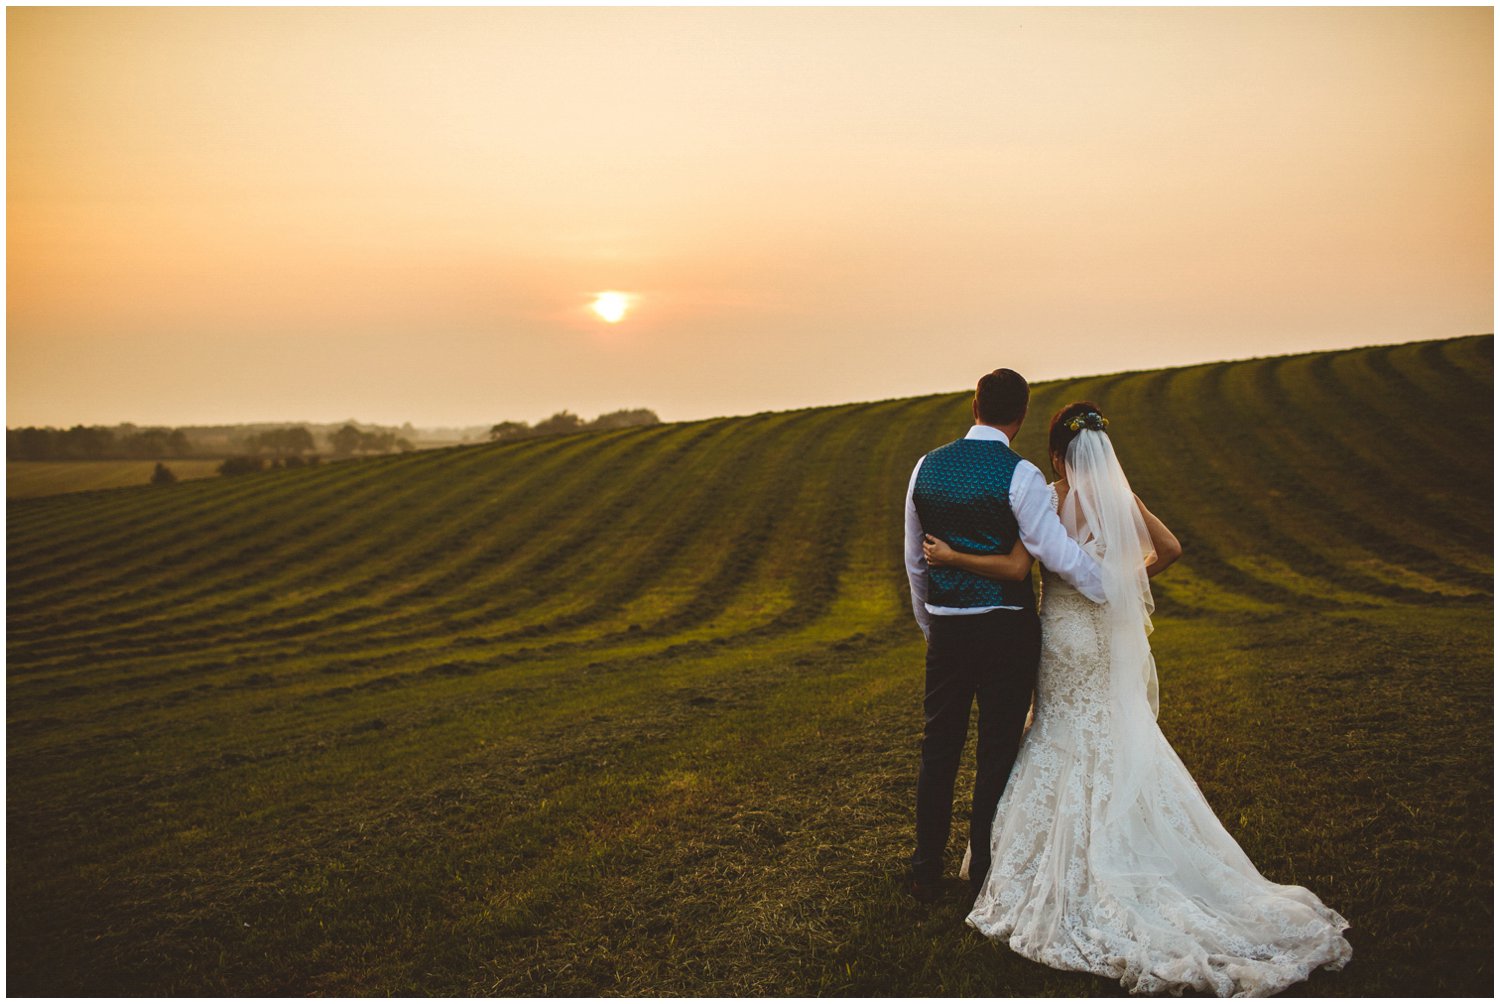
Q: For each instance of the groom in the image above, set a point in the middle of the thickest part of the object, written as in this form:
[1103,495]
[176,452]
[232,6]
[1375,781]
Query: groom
[983,636]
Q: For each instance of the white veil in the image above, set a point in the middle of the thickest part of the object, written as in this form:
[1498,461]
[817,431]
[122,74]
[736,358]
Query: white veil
[1101,513]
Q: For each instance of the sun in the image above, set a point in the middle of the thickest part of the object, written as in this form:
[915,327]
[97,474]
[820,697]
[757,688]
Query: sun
[611,306]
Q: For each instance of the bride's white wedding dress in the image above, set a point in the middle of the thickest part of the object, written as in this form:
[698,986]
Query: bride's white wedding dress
[1107,858]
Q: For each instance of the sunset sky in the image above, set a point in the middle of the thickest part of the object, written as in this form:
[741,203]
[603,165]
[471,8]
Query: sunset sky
[260,214]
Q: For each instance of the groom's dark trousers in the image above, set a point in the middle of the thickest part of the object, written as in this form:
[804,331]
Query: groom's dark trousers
[991,657]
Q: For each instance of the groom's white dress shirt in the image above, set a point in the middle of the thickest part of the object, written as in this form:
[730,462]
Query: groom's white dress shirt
[1041,532]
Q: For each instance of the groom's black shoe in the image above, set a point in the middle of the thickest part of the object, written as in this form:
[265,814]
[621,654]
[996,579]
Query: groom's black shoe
[923,892]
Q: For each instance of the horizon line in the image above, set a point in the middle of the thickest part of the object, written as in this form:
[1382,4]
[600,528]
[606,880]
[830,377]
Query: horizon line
[768,411]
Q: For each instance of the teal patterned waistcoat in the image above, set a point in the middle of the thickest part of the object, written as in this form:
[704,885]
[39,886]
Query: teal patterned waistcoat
[962,496]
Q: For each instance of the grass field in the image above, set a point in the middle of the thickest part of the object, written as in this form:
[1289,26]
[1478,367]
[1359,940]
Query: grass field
[639,712]
[34,478]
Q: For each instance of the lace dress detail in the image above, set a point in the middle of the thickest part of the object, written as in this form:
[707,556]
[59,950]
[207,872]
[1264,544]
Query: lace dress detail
[1161,900]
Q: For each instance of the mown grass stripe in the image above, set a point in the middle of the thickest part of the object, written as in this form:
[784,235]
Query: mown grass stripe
[348,494]
[1337,503]
[1414,458]
[168,549]
[1393,457]
[1323,564]
[428,623]
[1393,394]
[125,507]
[578,485]
[335,563]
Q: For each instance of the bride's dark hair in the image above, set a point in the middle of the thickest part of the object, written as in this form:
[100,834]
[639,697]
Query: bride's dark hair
[1059,435]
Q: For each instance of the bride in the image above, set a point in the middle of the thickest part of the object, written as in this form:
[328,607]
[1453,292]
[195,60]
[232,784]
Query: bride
[1106,858]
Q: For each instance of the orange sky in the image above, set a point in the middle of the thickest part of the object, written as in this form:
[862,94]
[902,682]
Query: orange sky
[262,214]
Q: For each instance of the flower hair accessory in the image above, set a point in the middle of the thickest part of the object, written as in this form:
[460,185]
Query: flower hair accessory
[1088,420]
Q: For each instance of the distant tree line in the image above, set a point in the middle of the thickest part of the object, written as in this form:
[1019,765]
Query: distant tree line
[95,442]
[126,442]
[351,439]
[282,442]
[130,442]
[288,445]
[566,421]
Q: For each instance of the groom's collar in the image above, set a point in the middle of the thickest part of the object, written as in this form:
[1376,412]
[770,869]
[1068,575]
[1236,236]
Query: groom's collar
[986,432]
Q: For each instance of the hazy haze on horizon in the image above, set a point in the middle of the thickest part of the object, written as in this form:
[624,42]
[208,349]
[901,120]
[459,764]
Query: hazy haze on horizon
[223,215]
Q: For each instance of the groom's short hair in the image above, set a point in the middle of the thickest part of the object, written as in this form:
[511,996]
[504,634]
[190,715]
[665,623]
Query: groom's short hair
[1001,397]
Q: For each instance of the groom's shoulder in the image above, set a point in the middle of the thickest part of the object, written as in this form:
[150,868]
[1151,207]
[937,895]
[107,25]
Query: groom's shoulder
[937,451]
[950,445]
[982,447]
[1025,469]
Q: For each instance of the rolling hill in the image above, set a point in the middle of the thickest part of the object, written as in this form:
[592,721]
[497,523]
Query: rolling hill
[638,712]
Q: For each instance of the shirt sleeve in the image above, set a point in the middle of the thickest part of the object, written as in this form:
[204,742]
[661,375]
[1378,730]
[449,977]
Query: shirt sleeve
[916,565]
[1043,534]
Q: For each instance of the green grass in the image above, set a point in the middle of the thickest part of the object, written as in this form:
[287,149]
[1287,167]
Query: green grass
[639,712]
[33,478]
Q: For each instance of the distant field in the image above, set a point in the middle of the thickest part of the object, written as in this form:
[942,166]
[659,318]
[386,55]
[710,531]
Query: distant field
[638,712]
[35,478]
[32,478]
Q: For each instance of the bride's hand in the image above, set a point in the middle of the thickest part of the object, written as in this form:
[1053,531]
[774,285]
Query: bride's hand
[937,553]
